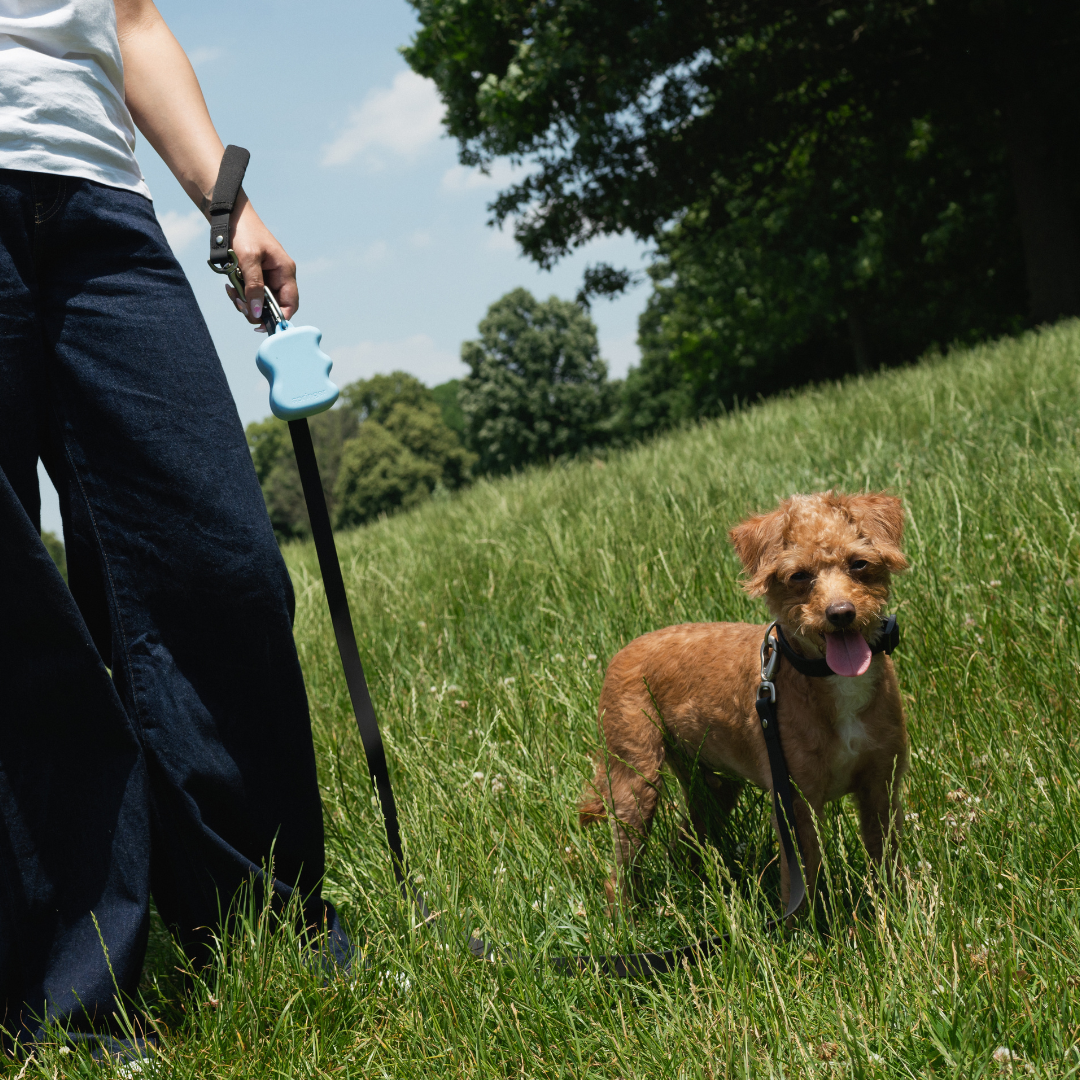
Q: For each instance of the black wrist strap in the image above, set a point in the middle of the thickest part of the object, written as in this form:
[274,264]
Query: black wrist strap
[230,176]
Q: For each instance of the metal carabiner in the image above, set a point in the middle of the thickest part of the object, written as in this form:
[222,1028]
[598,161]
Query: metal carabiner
[232,268]
[770,658]
[770,655]
[273,316]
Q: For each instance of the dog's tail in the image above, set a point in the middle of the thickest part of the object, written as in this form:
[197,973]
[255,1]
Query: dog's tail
[592,808]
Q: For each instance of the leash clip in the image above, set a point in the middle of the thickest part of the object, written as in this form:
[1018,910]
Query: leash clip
[770,656]
[767,689]
[232,268]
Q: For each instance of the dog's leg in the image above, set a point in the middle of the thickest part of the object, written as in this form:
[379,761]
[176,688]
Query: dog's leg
[710,800]
[881,818]
[635,792]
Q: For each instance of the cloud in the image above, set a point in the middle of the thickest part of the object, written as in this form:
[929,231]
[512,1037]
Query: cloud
[418,355]
[458,178]
[400,121]
[375,252]
[182,229]
[420,239]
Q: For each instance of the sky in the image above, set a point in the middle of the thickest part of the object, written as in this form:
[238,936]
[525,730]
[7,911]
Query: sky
[350,169]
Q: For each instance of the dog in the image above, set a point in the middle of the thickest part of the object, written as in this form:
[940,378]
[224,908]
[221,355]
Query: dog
[685,696]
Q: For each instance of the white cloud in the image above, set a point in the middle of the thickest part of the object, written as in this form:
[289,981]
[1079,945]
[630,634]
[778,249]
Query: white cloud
[420,239]
[418,355]
[182,229]
[374,253]
[205,54]
[401,121]
[458,178]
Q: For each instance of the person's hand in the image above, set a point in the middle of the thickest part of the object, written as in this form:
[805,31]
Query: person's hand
[262,259]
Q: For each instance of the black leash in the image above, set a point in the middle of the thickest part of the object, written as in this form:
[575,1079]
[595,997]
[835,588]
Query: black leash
[223,261]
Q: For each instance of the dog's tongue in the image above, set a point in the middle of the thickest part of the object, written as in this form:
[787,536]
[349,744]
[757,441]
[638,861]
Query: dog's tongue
[847,652]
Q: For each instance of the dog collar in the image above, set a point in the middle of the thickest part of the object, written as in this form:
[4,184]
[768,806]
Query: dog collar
[888,639]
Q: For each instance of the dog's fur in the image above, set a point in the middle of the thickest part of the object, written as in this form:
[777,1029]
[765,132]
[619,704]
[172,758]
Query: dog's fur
[685,695]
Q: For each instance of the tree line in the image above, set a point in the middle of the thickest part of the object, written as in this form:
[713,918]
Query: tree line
[828,187]
[825,189]
[537,390]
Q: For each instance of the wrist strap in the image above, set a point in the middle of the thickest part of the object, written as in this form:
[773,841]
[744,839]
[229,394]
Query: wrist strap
[230,176]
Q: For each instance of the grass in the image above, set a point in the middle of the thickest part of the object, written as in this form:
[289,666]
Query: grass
[485,622]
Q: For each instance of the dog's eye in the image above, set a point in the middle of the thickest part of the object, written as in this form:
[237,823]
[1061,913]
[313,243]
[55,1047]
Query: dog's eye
[800,575]
[859,564]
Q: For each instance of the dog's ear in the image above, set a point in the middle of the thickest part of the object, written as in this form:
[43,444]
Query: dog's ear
[758,541]
[880,518]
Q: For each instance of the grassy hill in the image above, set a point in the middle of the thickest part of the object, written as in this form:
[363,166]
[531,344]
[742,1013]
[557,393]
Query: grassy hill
[485,622]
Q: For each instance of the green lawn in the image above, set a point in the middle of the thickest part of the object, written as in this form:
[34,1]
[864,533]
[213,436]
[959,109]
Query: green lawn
[485,622]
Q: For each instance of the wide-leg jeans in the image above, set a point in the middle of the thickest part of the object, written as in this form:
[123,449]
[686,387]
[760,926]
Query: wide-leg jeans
[154,731]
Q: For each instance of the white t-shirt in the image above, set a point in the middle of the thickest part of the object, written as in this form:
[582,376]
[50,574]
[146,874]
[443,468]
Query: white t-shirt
[62,104]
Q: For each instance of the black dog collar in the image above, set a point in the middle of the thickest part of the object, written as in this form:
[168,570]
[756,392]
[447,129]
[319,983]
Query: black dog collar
[819,669]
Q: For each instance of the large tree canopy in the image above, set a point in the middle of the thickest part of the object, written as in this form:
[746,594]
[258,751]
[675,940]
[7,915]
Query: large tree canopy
[855,173]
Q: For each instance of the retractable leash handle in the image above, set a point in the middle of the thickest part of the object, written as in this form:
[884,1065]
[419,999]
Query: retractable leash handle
[298,373]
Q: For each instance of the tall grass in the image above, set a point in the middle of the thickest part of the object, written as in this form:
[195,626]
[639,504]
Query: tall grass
[485,623]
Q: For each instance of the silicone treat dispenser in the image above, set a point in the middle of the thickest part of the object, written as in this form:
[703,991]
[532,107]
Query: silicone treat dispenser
[297,370]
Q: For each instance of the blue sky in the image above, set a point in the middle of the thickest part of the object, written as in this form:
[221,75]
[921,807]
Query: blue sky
[350,169]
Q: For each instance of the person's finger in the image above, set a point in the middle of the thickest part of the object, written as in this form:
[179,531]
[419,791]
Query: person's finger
[251,265]
[234,296]
[281,277]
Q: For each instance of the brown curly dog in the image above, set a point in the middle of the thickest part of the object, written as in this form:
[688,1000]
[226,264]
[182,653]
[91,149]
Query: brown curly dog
[685,695]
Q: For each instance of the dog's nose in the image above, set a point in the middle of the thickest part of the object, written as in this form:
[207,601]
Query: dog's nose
[841,613]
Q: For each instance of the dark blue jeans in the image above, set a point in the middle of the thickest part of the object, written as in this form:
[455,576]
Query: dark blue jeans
[154,732]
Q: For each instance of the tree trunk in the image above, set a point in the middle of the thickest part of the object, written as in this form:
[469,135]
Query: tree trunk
[1047,220]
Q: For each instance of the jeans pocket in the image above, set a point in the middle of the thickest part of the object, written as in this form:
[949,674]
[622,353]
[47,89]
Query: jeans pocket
[49,193]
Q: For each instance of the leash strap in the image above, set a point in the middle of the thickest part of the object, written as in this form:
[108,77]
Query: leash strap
[783,800]
[338,602]
[230,176]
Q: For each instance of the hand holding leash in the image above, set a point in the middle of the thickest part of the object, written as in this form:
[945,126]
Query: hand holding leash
[242,247]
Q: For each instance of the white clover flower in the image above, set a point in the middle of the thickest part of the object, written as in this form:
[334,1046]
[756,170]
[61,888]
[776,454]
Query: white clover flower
[559,656]
[478,777]
[509,680]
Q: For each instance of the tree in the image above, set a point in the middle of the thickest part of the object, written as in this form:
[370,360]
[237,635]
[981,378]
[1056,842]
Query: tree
[537,388]
[279,477]
[830,169]
[55,547]
[446,397]
[403,452]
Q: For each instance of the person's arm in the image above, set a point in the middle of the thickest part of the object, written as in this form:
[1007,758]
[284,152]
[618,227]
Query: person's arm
[167,105]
